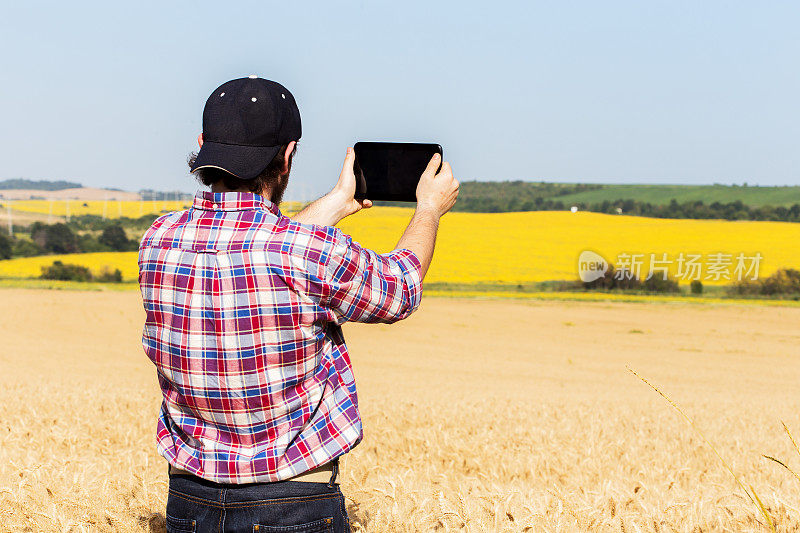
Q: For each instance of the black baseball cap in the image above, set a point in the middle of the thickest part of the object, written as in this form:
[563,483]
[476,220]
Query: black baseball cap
[245,122]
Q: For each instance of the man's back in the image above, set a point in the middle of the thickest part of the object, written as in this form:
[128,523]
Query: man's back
[244,308]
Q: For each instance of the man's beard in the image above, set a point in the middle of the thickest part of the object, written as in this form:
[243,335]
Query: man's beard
[276,194]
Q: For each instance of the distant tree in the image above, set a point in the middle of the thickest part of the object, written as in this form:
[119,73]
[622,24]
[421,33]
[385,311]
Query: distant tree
[6,246]
[87,242]
[674,210]
[115,238]
[657,283]
[55,238]
[66,272]
[107,275]
[614,278]
[783,281]
[26,248]
[696,286]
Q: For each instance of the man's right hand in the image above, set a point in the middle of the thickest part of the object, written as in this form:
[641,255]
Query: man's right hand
[437,192]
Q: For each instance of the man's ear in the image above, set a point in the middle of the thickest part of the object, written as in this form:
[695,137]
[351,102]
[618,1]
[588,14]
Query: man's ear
[289,150]
[200,140]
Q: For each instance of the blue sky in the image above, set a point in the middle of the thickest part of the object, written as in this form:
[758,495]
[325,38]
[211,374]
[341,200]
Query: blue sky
[111,94]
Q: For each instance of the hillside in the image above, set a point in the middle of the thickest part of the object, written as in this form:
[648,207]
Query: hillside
[520,192]
[78,193]
[40,185]
[732,202]
[663,194]
[727,202]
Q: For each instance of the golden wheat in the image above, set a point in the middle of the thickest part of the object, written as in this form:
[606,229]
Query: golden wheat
[478,415]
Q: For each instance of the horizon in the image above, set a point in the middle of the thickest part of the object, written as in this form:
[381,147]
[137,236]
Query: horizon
[288,199]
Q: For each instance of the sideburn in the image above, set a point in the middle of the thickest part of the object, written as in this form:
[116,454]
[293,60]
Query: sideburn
[276,193]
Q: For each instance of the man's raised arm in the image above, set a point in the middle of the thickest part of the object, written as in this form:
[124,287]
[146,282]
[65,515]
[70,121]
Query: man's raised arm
[436,194]
[338,203]
[363,286]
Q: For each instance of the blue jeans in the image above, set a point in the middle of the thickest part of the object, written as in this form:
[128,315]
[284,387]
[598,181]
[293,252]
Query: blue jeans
[197,505]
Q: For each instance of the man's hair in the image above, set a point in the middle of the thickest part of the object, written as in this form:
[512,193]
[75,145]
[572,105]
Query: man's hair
[268,178]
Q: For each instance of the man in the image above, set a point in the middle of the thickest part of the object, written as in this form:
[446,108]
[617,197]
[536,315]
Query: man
[244,308]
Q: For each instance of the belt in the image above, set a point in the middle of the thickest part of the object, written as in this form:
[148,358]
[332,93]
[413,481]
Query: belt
[326,473]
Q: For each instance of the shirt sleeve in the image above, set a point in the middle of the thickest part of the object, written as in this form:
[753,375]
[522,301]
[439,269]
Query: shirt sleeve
[361,285]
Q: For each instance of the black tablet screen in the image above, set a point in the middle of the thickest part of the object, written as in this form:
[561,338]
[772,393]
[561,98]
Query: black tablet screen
[391,171]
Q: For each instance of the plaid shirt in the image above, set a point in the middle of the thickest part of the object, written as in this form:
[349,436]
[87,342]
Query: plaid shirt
[244,312]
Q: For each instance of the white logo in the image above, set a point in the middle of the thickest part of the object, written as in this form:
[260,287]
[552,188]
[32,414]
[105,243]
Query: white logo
[591,266]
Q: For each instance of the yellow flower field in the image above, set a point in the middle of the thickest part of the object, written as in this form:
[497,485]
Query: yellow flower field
[525,247]
[545,245]
[31,267]
[111,208]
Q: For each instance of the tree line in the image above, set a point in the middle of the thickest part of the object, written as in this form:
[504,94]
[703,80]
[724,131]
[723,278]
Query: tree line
[784,283]
[86,233]
[517,196]
[695,209]
[39,185]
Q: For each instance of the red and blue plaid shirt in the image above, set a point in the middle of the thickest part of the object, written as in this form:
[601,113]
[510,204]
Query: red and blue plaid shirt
[244,311]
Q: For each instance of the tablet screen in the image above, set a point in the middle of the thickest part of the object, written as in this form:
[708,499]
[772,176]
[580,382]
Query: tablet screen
[391,171]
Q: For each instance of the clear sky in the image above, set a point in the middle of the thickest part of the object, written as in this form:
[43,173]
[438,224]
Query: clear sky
[111,93]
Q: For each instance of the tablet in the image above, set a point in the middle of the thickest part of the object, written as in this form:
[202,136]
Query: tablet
[391,171]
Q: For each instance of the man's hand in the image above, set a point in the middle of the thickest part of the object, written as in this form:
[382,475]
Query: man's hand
[437,192]
[345,188]
[337,204]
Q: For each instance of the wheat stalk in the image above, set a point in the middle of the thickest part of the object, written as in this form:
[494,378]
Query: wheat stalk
[754,496]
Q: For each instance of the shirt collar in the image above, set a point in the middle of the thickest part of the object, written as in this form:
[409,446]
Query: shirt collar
[232,201]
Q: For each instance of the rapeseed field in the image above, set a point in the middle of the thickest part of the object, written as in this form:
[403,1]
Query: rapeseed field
[31,267]
[111,208]
[514,248]
[545,245]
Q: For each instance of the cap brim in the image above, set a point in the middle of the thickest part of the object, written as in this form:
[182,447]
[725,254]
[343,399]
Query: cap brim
[244,162]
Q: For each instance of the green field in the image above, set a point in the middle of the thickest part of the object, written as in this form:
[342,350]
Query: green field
[663,194]
[503,196]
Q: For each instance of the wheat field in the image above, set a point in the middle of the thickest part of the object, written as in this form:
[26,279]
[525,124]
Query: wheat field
[479,415]
[525,247]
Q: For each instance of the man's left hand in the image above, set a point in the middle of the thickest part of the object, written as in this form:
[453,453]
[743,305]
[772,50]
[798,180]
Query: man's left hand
[337,204]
